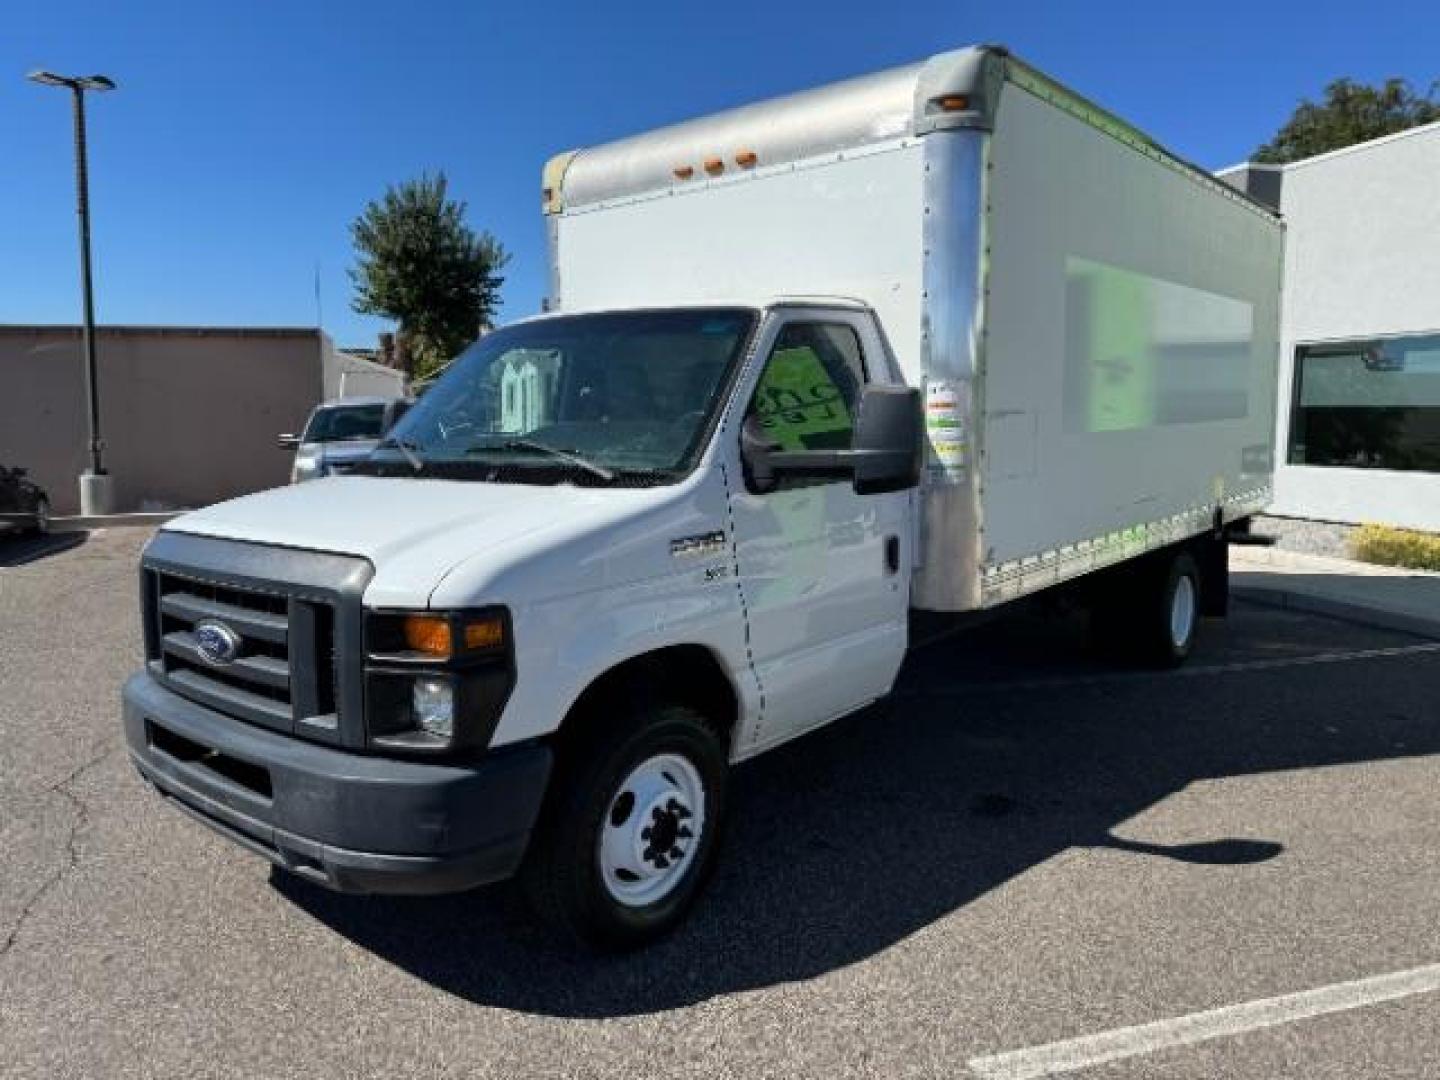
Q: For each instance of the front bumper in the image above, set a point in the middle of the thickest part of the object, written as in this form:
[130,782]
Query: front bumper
[352,822]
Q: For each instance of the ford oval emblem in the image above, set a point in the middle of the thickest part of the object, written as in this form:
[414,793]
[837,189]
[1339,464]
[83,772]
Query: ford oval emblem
[218,644]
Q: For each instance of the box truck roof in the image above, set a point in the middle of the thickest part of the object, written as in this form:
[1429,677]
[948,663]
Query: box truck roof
[955,89]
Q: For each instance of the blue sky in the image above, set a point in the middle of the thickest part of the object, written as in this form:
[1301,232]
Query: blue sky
[245,136]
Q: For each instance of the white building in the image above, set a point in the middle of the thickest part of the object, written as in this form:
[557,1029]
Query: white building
[1358,431]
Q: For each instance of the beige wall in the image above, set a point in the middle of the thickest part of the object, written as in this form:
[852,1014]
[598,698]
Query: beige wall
[189,417]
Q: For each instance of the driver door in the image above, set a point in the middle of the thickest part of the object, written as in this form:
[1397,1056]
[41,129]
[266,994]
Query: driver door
[824,572]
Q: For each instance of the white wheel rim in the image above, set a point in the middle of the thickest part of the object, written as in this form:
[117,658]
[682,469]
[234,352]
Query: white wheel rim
[652,829]
[1182,612]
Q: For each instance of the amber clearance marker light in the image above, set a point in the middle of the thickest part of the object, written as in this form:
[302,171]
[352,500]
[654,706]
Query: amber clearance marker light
[953,102]
[428,634]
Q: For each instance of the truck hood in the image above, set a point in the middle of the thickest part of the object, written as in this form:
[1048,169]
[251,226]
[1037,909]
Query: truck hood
[413,531]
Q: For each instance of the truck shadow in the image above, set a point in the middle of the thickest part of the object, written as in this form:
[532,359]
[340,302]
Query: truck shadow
[848,841]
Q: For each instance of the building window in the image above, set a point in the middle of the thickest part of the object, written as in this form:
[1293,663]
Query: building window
[1368,404]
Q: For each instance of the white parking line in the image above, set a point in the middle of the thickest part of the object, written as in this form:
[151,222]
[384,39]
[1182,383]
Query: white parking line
[1071,1055]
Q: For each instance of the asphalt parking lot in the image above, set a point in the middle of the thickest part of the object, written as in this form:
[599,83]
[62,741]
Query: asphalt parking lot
[1025,846]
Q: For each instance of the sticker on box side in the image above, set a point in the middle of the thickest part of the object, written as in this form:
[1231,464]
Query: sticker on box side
[945,431]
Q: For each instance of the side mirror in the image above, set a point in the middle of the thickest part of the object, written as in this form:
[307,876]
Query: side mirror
[756,450]
[287,441]
[887,449]
[889,440]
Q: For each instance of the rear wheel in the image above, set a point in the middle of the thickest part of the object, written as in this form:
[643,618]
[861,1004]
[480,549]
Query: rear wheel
[42,516]
[630,830]
[1175,614]
[1151,611]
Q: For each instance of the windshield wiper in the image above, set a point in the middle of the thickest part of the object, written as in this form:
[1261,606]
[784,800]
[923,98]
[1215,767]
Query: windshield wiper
[567,456]
[406,447]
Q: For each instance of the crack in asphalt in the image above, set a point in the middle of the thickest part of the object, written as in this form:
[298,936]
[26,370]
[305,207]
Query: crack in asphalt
[81,818]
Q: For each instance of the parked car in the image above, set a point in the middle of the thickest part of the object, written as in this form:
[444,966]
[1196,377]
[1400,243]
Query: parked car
[340,433]
[24,506]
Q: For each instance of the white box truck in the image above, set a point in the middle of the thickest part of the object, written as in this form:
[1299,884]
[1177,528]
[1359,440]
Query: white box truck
[934,339]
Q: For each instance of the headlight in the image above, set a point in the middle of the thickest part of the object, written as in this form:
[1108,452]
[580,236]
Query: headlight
[309,464]
[436,681]
[433,704]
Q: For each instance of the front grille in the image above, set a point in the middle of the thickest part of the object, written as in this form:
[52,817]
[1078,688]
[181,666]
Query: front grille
[297,615]
[284,673]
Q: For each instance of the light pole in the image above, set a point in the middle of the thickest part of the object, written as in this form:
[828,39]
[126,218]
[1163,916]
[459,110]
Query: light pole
[96,485]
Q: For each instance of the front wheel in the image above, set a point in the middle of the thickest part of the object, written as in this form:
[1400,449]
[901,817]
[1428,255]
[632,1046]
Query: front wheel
[42,516]
[630,830]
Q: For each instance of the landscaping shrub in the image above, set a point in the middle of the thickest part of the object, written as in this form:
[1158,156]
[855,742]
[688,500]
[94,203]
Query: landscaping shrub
[1396,547]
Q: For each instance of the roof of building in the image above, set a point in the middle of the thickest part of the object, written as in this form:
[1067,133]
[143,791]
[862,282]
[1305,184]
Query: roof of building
[168,331]
[1354,148]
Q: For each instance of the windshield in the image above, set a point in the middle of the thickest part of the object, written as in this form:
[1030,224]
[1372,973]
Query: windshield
[341,422]
[604,398]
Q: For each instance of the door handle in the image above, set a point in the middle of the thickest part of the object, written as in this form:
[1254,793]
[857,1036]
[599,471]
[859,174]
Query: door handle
[892,554]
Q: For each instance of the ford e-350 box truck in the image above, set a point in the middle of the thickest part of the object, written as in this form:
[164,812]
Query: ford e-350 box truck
[932,340]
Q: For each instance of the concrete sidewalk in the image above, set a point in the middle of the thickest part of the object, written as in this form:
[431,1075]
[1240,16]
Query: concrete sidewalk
[80,523]
[1387,596]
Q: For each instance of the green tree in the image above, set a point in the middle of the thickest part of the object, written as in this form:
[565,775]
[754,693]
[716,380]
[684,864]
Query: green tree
[1351,113]
[421,265]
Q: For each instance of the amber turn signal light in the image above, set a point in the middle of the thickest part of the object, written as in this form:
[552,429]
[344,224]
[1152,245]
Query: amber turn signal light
[434,635]
[486,633]
[428,634]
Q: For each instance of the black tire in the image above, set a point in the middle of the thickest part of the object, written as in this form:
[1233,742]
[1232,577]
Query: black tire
[1133,618]
[562,875]
[1165,635]
[42,516]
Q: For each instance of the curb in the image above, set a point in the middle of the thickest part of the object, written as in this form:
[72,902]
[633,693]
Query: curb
[80,523]
[1264,558]
[1363,614]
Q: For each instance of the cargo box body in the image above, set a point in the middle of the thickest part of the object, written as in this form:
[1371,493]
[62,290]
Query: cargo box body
[1093,322]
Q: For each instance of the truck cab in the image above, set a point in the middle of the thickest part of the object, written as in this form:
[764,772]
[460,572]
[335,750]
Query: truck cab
[619,551]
